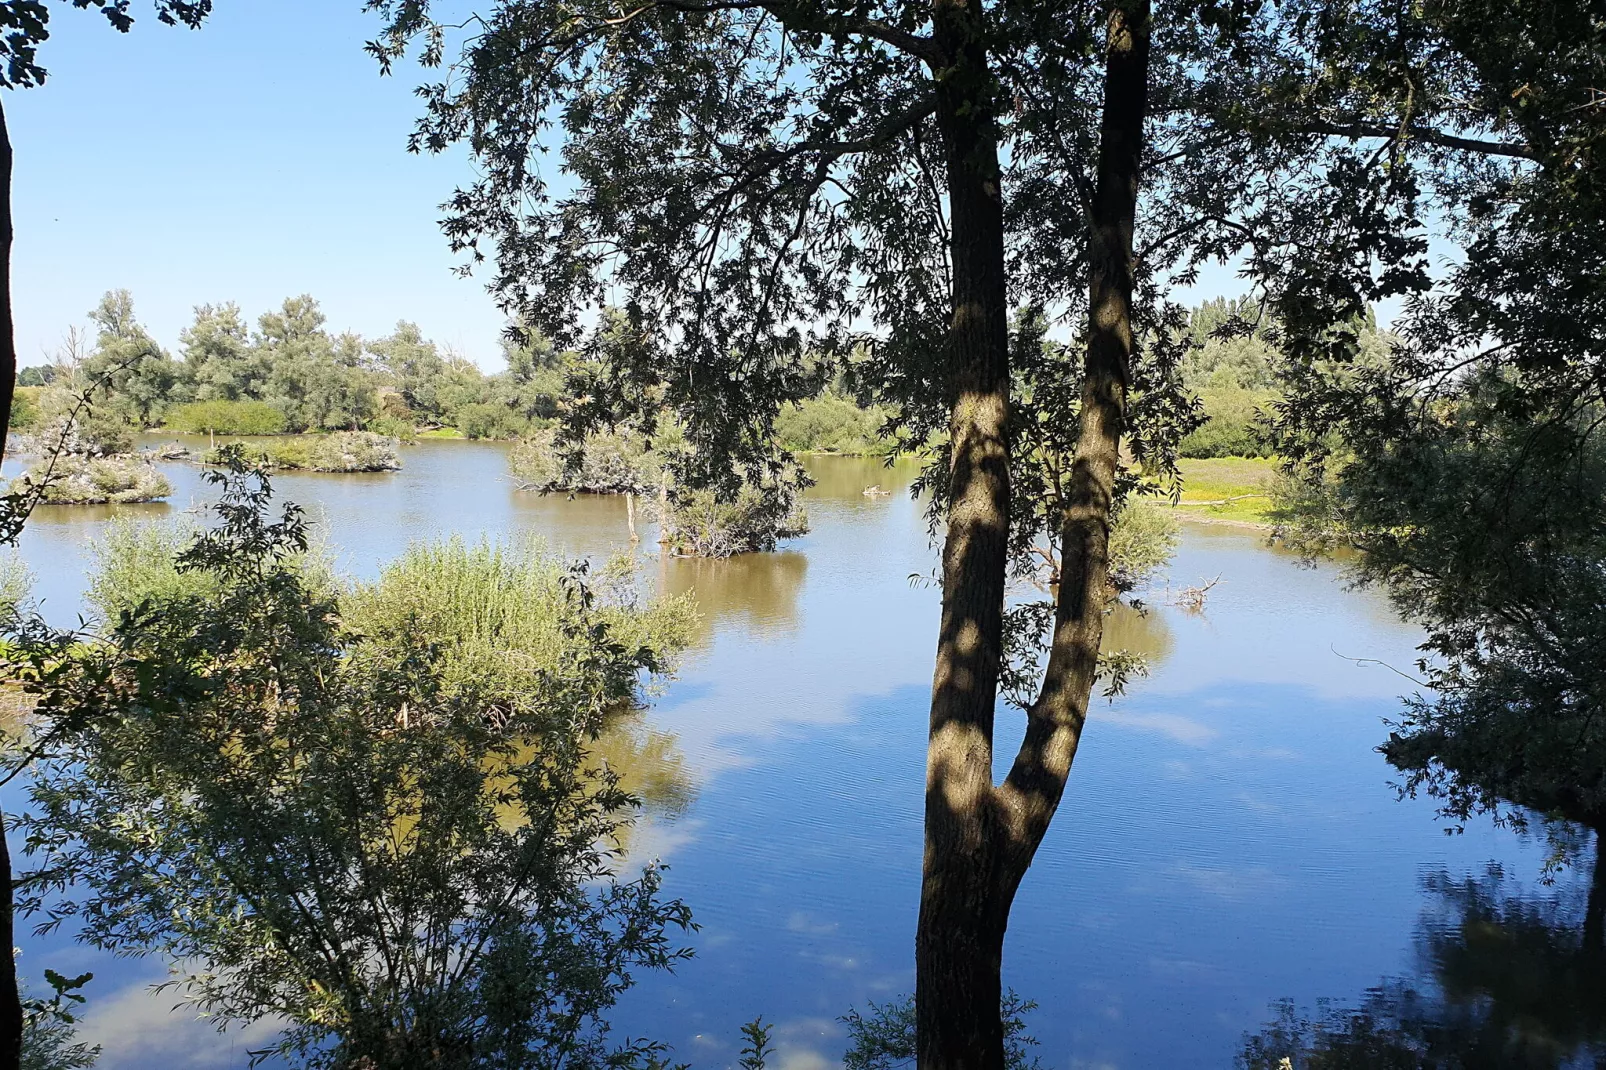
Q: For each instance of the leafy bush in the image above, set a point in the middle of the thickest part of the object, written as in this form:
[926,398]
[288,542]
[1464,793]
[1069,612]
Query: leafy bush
[350,830]
[25,408]
[700,525]
[16,581]
[1143,539]
[490,419]
[615,463]
[499,617]
[1231,428]
[226,418]
[832,423]
[64,422]
[400,428]
[135,562]
[77,479]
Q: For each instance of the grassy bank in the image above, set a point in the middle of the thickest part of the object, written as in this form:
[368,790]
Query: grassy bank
[1232,489]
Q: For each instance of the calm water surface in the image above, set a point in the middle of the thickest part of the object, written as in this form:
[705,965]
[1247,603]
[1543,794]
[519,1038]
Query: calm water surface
[1229,838]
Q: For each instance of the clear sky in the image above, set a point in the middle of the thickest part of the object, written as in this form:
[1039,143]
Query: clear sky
[259,157]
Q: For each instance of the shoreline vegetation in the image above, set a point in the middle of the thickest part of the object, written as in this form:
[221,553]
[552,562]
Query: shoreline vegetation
[310,400]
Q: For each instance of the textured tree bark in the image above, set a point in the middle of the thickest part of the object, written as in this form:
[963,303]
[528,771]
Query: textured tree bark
[1032,791]
[980,839]
[10,998]
[8,334]
[960,938]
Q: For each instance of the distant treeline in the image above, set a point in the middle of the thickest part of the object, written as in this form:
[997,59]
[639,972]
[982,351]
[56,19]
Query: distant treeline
[288,373]
[1233,370]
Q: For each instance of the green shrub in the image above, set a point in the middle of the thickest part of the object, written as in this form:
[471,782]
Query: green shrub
[488,419]
[500,616]
[1231,428]
[226,418]
[77,479]
[16,581]
[699,525]
[135,562]
[401,429]
[25,408]
[832,423]
[610,464]
[344,833]
[1143,539]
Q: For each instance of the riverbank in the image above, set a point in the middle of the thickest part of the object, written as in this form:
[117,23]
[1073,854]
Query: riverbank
[1227,491]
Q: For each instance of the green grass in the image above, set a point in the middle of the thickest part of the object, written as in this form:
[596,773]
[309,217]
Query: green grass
[442,432]
[1227,488]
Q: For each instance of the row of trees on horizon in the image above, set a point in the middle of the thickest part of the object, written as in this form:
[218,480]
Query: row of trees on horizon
[289,374]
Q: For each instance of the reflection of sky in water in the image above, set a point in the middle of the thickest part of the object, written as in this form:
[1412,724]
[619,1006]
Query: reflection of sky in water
[1229,836]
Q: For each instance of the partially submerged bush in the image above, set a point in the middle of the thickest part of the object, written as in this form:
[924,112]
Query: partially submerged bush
[610,463]
[137,562]
[342,451]
[79,479]
[499,617]
[1143,539]
[698,524]
[354,451]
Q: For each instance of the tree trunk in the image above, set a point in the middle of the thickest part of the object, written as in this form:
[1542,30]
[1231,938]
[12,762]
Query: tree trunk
[959,942]
[980,839]
[8,333]
[10,997]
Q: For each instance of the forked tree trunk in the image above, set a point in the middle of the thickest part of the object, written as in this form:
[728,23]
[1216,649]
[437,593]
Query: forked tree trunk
[980,838]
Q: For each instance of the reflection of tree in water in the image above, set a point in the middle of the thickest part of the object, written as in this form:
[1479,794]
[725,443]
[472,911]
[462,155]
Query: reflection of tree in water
[757,590]
[1505,981]
[649,763]
[1137,631]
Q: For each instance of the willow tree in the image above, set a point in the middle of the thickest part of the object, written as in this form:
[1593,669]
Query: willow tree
[763,184]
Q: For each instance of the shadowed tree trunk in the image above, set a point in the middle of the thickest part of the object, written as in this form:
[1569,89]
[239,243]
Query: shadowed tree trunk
[980,838]
[8,334]
[959,942]
[10,998]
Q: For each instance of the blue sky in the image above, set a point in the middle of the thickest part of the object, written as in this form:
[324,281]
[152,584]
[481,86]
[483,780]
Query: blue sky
[260,157]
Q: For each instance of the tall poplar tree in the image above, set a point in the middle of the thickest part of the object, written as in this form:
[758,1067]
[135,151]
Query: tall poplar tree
[762,185]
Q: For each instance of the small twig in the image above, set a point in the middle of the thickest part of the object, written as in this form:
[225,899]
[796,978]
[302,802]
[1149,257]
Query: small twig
[1386,665]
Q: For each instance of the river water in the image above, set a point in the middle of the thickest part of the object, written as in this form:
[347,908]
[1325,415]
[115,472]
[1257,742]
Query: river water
[1229,839]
